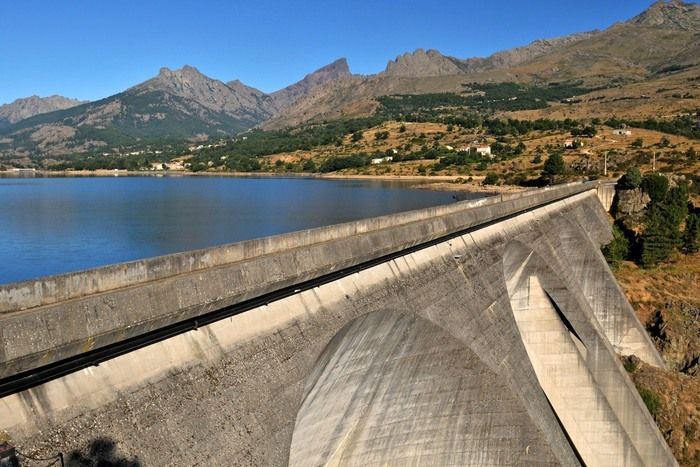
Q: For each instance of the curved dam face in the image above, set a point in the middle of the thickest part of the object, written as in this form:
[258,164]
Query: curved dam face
[394,389]
[440,350]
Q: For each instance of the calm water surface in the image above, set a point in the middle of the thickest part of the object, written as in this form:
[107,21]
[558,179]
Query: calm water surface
[54,225]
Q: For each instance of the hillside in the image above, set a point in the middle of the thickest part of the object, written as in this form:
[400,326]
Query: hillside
[646,67]
[173,106]
[652,46]
[21,109]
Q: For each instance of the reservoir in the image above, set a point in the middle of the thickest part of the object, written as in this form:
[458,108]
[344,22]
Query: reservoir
[62,224]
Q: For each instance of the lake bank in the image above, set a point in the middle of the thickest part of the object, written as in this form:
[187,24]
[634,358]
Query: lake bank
[422,182]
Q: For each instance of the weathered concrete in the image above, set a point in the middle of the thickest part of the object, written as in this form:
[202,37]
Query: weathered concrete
[606,194]
[265,387]
[66,315]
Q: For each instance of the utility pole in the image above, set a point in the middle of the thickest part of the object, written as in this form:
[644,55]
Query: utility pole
[605,166]
[653,162]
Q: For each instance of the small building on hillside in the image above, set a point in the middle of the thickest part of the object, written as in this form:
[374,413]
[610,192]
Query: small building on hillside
[622,131]
[381,160]
[573,143]
[484,150]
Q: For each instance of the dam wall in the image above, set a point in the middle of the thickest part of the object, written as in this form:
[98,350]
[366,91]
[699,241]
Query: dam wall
[428,356]
[59,317]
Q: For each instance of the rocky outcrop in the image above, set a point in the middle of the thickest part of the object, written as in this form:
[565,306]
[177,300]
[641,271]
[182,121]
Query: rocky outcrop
[423,63]
[675,14]
[630,202]
[289,95]
[27,107]
[188,83]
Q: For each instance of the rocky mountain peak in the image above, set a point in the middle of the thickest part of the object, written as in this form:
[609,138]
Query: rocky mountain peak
[338,68]
[189,83]
[674,14]
[34,105]
[287,96]
[422,63]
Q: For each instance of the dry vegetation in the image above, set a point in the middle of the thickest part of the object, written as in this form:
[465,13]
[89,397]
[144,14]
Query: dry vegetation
[669,151]
[667,301]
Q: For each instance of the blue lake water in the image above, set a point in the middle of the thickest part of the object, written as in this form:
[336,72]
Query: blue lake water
[55,225]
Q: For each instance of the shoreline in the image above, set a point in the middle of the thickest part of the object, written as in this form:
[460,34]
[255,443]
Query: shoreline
[421,182]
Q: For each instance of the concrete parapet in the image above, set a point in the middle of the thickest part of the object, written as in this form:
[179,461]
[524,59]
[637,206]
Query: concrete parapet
[50,319]
[484,348]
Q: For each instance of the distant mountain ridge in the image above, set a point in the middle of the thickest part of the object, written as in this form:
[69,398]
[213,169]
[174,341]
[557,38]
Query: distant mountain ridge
[185,104]
[173,105]
[34,105]
[432,63]
[666,36]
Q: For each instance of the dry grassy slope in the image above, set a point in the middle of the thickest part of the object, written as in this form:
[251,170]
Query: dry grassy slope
[629,53]
[355,96]
[679,416]
[593,150]
[662,96]
[667,299]
[624,51]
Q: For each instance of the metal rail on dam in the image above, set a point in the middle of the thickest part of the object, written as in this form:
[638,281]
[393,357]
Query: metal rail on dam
[480,333]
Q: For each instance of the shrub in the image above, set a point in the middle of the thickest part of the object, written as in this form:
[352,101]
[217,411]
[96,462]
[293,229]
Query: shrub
[618,249]
[651,400]
[491,179]
[309,166]
[656,186]
[691,236]
[660,237]
[553,166]
[631,179]
[343,162]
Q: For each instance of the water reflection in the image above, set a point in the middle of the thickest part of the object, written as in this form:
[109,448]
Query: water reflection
[53,225]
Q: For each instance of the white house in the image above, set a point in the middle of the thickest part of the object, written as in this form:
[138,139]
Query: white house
[622,132]
[573,143]
[484,150]
[380,160]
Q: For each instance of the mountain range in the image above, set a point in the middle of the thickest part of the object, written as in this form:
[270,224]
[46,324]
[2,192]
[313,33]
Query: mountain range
[186,104]
[27,107]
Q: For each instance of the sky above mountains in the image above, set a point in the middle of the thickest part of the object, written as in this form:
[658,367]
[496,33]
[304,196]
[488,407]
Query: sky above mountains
[88,50]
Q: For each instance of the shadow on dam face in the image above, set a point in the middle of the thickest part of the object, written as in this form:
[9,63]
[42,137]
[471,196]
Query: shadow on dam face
[394,389]
[101,452]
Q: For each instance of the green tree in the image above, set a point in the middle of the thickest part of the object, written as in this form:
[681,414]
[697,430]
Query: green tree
[656,186]
[631,179]
[637,143]
[309,166]
[691,236]
[491,178]
[618,249]
[660,238]
[589,131]
[553,166]
[356,136]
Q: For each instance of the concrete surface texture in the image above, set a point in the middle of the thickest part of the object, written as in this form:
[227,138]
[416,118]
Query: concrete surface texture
[58,317]
[489,348]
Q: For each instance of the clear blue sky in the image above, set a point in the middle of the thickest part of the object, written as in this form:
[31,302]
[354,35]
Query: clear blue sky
[90,49]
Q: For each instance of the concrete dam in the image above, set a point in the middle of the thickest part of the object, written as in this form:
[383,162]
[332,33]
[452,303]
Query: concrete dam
[479,333]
